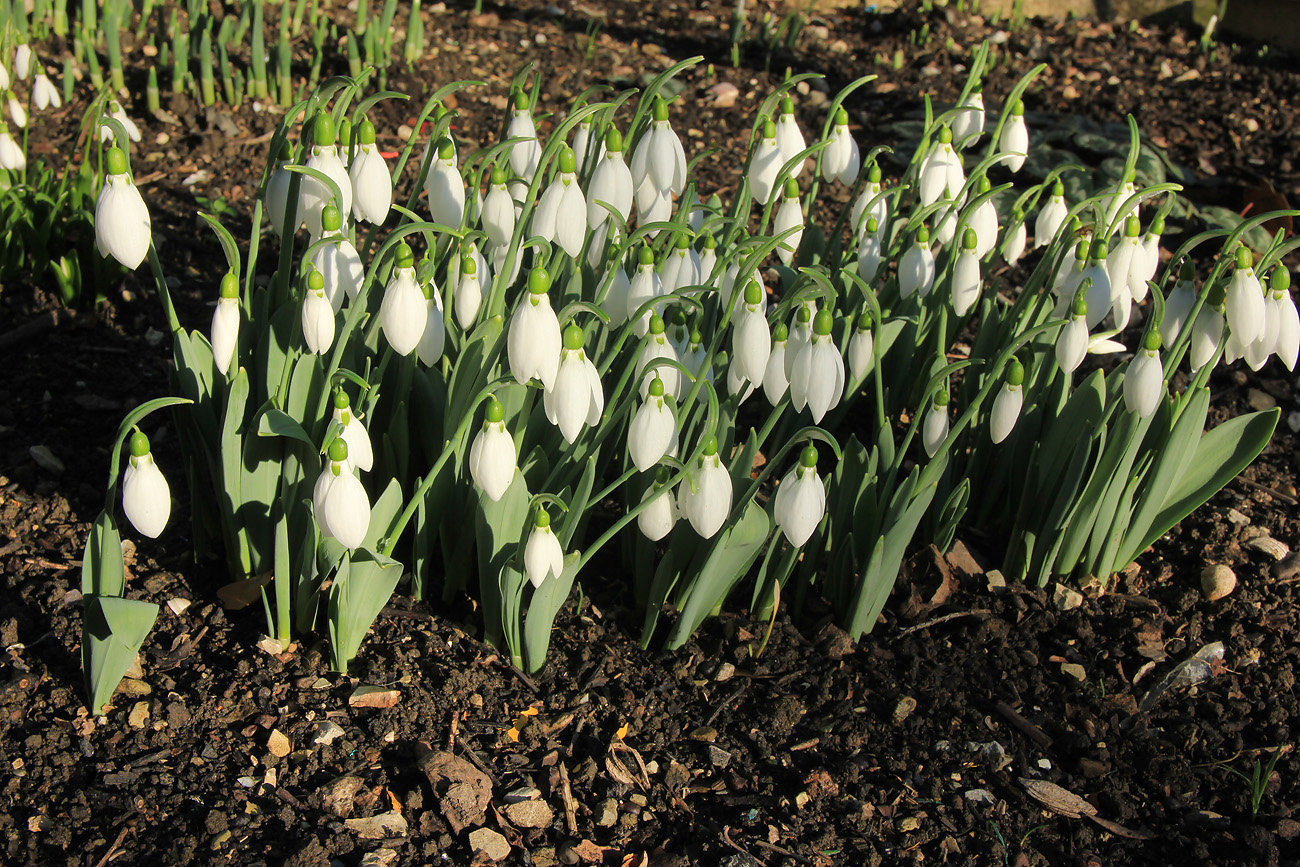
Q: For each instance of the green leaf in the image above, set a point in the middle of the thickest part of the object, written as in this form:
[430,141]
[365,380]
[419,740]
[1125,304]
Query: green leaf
[498,528]
[103,571]
[545,604]
[277,423]
[113,629]
[362,586]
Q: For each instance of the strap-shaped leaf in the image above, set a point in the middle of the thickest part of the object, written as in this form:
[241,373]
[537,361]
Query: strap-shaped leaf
[358,598]
[542,608]
[112,631]
[277,423]
[103,572]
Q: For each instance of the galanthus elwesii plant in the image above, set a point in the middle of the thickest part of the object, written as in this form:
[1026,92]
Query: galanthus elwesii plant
[743,392]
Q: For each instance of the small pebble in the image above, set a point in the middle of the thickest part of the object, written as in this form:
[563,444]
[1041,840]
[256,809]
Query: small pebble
[1217,582]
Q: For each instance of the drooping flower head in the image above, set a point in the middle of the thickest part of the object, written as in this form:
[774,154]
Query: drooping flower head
[800,501]
[122,227]
[146,498]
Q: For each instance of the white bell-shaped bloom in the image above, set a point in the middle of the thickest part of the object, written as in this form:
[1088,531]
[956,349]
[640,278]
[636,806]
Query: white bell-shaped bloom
[1013,143]
[616,296]
[789,216]
[118,114]
[870,254]
[492,455]
[776,382]
[1286,346]
[17,113]
[789,137]
[1145,265]
[577,398]
[12,157]
[611,183]
[122,228]
[146,498]
[225,324]
[969,122]
[751,343]
[765,164]
[587,150]
[1144,380]
[445,187]
[800,334]
[817,379]
[341,505]
[498,211]
[861,348]
[277,194]
[361,453]
[1245,302]
[657,345]
[708,260]
[533,344]
[841,160]
[23,61]
[652,432]
[800,501]
[1207,331]
[726,289]
[1069,275]
[525,155]
[658,518]
[934,430]
[372,183]
[681,267]
[871,203]
[1124,264]
[916,269]
[1178,306]
[403,314]
[966,281]
[4,77]
[1051,216]
[314,195]
[1006,406]
[1072,342]
[338,262]
[645,286]
[659,157]
[941,173]
[1120,193]
[468,289]
[434,337]
[705,500]
[44,93]
[543,554]
[1100,298]
[945,231]
[317,316]
[1014,246]
[569,210]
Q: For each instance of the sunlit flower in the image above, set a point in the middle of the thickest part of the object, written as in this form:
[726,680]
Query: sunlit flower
[122,228]
[1006,406]
[533,344]
[372,183]
[941,173]
[577,397]
[659,517]
[789,216]
[611,183]
[705,500]
[800,502]
[525,155]
[44,93]
[969,122]
[338,262]
[934,430]
[492,455]
[361,453]
[543,555]
[225,323]
[1014,140]
[652,432]
[317,316]
[841,160]
[966,276]
[765,164]
[789,137]
[445,187]
[146,498]
[403,314]
[1051,216]
[313,195]
[339,500]
[1144,382]
[916,270]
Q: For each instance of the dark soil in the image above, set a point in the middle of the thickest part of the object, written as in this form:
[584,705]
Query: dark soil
[912,746]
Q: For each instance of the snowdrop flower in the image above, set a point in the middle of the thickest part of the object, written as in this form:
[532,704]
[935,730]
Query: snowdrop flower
[695,356]
[841,160]
[1178,306]
[340,503]
[582,147]
[492,455]
[23,61]
[561,213]
[616,296]
[706,499]
[1287,345]
[1014,140]
[653,430]
[44,93]
[861,348]
[1144,380]
[1072,342]
[870,254]
[12,157]
[533,344]
[800,501]
[1245,301]
[765,164]
[434,336]
[118,114]
[751,343]
[789,137]
[708,258]
[372,184]
[1051,216]
[225,323]
[525,155]
[4,77]
[659,160]
[498,210]
[1014,245]
[146,498]
[403,314]
[789,216]
[360,452]
[611,183]
[966,276]
[871,198]
[657,345]
[1124,189]
[817,380]
[1144,267]
[313,195]
[983,218]
[681,267]
[941,173]
[17,112]
[969,121]
[1207,331]
[122,228]
[916,269]
[1100,298]
[277,191]
[1123,268]
[317,316]
[659,517]
[935,428]
[775,380]
[445,187]
[645,286]
[1069,274]
[726,289]
[468,291]
[543,556]
[1006,406]
[577,397]
[339,263]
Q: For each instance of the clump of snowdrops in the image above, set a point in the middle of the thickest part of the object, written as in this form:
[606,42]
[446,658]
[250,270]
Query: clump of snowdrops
[560,342]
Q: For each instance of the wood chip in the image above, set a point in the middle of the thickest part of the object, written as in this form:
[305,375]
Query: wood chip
[374,696]
[1057,799]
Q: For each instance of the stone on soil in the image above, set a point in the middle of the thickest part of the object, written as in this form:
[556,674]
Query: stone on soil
[529,814]
[390,824]
[489,844]
[1217,581]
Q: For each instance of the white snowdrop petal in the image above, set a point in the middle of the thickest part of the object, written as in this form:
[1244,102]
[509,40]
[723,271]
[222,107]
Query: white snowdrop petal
[146,497]
[347,510]
[225,332]
[1006,410]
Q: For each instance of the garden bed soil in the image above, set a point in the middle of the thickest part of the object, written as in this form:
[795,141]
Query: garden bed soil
[978,724]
